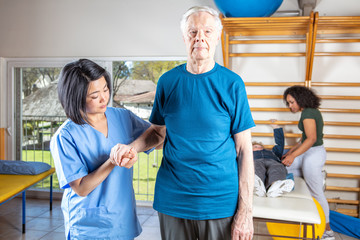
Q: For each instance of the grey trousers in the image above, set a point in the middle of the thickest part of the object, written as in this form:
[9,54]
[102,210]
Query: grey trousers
[269,171]
[309,166]
[173,228]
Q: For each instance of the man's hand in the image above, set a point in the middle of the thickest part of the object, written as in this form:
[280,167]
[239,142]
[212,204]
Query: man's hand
[242,227]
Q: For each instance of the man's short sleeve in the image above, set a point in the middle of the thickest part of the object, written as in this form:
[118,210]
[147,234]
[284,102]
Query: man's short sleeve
[156,116]
[241,117]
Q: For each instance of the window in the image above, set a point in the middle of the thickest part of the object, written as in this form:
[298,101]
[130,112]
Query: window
[39,113]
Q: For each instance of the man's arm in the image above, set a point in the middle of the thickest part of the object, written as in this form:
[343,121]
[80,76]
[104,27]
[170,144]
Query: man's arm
[153,137]
[242,227]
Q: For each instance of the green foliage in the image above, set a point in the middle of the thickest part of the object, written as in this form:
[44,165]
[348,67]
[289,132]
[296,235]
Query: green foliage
[28,129]
[121,72]
[145,171]
[31,76]
[152,70]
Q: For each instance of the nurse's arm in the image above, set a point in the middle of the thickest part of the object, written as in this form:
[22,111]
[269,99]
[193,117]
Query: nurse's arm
[310,131]
[83,186]
[242,226]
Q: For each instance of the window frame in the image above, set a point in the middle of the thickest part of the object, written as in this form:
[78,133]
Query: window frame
[10,91]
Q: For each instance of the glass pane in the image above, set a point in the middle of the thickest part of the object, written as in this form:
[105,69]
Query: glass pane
[135,82]
[41,114]
[134,89]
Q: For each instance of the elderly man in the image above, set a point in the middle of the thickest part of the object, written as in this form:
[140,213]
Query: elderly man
[204,187]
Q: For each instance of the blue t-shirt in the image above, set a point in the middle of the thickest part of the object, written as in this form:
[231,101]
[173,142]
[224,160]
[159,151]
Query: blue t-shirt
[109,211]
[198,177]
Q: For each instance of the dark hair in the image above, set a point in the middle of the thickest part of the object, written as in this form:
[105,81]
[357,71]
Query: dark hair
[305,97]
[73,85]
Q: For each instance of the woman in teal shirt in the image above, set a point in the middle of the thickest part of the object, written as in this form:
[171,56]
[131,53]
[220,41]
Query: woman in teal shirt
[307,158]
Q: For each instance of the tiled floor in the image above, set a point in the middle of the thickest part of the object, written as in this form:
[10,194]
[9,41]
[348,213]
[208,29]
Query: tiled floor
[45,225]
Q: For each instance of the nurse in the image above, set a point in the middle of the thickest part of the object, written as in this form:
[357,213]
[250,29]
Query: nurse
[98,200]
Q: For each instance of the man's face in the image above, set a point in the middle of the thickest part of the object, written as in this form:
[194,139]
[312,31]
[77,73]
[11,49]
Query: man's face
[201,36]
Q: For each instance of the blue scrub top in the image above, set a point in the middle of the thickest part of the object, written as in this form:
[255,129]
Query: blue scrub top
[198,177]
[109,211]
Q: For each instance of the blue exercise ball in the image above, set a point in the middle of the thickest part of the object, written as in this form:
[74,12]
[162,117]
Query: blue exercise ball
[248,8]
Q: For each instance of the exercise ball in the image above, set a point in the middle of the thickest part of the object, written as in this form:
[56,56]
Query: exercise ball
[294,230]
[248,8]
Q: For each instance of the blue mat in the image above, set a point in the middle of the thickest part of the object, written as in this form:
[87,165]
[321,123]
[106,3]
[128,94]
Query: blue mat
[345,224]
[22,167]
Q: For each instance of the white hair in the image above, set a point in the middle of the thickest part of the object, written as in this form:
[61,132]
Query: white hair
[197,9]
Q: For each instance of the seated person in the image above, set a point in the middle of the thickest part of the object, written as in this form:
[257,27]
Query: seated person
[270,173]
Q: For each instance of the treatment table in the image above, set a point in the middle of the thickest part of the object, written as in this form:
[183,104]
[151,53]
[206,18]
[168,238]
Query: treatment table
[13,185]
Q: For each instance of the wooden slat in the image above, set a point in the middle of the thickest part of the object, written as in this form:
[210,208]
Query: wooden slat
[326,123]
[278,122]
[346,150]
[336,54]
[341,175]
[297,135]
[277,54]
[337,40]
[328,149]
[265,96]
[267,41]
[338,97]
[335,84]
[260,134]
[324,97]
[338,110]
[349,212]
[342,189]
[332,110]
[343,163]
[343,201]
[269,84]
[257,109]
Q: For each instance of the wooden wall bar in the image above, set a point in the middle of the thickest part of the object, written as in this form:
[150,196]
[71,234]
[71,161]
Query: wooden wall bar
[309,30]
[2,143]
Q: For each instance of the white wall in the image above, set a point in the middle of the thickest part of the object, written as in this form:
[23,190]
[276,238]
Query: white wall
[52,28]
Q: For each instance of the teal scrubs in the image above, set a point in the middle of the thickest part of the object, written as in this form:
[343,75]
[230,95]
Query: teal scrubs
[109,211]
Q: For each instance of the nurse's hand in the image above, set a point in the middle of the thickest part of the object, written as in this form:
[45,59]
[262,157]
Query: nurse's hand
[129,159]
[117,153]
[288,160]
[123,155]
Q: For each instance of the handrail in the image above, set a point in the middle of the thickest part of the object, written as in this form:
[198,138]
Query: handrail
[344,189]
[319,84]
[328,149]
[297,135]
[333,110]
[341,175]
[326,123]
[342,163]
[325,97]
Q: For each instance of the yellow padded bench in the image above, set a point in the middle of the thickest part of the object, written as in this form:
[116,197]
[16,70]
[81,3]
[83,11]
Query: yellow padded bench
[13,185]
